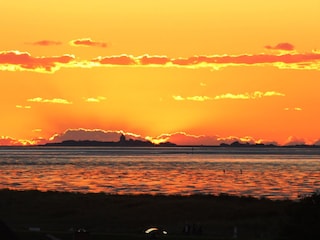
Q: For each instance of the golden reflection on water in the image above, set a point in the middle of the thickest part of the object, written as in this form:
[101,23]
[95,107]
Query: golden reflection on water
[275,179]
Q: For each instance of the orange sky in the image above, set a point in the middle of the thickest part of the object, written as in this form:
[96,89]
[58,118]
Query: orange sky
[223,70]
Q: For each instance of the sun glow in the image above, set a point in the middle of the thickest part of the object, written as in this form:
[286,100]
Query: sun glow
[212,69]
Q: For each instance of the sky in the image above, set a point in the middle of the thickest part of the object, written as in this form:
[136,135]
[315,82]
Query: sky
[188,72]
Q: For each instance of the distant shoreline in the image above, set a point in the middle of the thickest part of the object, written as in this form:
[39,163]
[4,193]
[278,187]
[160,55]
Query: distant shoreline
[139,143]
[89,143]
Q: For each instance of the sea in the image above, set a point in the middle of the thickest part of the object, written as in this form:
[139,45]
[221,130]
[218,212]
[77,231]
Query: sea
[261,172]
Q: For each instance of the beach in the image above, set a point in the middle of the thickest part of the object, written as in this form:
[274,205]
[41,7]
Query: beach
[35,215]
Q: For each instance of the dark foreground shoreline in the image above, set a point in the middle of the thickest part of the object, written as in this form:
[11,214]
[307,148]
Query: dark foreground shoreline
[43,215]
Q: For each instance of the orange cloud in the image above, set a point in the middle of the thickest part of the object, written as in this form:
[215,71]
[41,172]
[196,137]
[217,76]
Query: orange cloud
[146,59]
[54,100]
[87,42]
[288,60]
[281,46]
[116,60]
[15,60]
[46,43]
[19,61]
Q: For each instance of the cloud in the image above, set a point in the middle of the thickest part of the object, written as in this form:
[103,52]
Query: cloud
[253,95]
[199,98]
[116,60]
[282,61]
[293,109]
[87,42]
[292,140]
[146,59]
[37,130]
[281,46]
[193,98]
[20,61]
[178,98]
[45,43]
[232,139]
[93,135]
[24,107]
[54,100]
[182,138]
[15,60]
[9,141]
[95,99]
[232,96]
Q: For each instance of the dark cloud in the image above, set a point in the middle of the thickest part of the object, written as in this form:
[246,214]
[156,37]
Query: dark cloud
[46,43]
[88,43]
[281,46]
[25,61]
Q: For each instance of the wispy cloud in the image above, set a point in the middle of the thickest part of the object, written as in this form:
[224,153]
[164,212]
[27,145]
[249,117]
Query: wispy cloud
[45,43]
[15,60]
[192,98]
[54,100]
[281,46]
[87,42]
[37,130]
[253,95]
[23,107]
[95,99]
[293,109]
[178,98]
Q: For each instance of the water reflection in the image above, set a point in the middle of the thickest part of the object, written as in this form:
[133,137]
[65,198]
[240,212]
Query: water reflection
[272,176]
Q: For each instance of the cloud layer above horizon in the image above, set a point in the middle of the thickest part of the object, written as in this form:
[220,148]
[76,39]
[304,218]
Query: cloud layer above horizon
[179,138]
[288,58]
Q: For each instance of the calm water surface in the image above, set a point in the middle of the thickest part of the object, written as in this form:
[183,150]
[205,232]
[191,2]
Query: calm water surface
[275,173]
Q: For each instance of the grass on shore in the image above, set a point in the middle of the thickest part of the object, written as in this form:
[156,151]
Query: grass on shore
[119,217]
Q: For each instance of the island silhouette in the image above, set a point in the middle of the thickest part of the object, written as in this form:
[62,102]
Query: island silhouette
[123,142]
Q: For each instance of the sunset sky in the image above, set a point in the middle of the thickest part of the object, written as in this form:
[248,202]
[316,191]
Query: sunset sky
[189,72]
